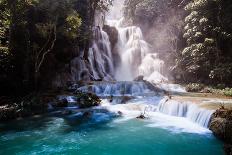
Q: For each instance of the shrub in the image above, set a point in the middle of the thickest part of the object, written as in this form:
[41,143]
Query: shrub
[194,87]
[227,91]
[87,100]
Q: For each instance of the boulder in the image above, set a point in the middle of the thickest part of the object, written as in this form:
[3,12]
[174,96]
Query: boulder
[66,112]
[141,116]
[8,112]
[228,149]
[126,99]
[218,126]
[221,126]
[139,78]
[87,114]
[87,100]
[62,103]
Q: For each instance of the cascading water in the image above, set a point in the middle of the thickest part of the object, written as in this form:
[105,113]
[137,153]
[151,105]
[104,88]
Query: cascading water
[117,89]
[97,66]
[189,110]
[137,57]
[100,56]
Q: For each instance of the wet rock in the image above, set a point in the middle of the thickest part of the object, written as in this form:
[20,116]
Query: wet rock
[112,33]
[62,103]
[120,113]
[154,87]
[221,126]
[228,149]
[8,112]
[66,112]
[126,99]
[87,100]
[218,126]
[139,78]
[113,37]
[111,98]
[141,116]
[87,114]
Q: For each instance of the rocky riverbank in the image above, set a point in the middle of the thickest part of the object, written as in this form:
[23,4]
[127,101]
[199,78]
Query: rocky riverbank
[39,103]
[221,126]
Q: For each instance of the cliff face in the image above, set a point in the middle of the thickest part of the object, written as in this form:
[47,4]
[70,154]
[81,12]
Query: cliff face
[112,32]
[221,125]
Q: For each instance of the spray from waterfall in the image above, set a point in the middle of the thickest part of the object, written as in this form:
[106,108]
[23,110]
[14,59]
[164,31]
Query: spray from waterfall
[137,57]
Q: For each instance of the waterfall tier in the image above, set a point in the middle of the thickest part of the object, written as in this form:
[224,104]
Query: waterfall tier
[100,56]
[117,89]
[189,110]
[137,57]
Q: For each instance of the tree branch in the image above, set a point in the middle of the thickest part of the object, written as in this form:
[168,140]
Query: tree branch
[48,51]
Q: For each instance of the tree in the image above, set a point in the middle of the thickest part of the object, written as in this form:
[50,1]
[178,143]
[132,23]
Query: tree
[205,33]
[40,54]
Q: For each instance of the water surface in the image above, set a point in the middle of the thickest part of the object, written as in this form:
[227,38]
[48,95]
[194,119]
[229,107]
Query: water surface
[101,135]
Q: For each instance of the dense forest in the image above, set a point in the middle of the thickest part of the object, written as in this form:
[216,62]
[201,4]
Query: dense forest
[78,76]
[193,36]
[38,37]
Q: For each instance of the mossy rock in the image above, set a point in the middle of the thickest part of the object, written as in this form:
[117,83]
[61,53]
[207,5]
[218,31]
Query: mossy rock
[86,100]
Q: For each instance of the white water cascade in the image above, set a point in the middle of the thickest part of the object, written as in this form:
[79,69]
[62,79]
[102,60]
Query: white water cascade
[137,57]
[117,89]
[189,110]
[100,56]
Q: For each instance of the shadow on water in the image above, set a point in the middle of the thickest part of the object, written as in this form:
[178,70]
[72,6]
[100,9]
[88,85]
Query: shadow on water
[72,120]
[76,121]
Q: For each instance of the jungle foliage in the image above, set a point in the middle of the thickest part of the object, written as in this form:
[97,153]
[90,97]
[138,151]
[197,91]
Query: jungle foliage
[194,37]
[37,37]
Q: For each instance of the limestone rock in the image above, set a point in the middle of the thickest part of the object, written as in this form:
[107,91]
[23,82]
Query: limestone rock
[221,126]
[218,126]
[112,33]
[139,78]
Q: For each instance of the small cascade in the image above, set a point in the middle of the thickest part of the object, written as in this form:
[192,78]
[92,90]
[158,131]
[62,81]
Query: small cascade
[189,110]
[173,108]
[117,89]
[199,115]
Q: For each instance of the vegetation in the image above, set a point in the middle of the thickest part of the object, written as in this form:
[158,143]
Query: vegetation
[193,36]
[87,100]
[37,38]
[208,37]
[219,89]
[194,87]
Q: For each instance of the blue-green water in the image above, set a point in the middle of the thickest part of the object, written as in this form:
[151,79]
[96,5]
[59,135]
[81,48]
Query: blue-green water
[67,135]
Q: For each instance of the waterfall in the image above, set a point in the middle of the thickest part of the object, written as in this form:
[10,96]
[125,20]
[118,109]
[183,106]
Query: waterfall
[100,56]
[199,115]
[189,110]
[137,57]
[173,108]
